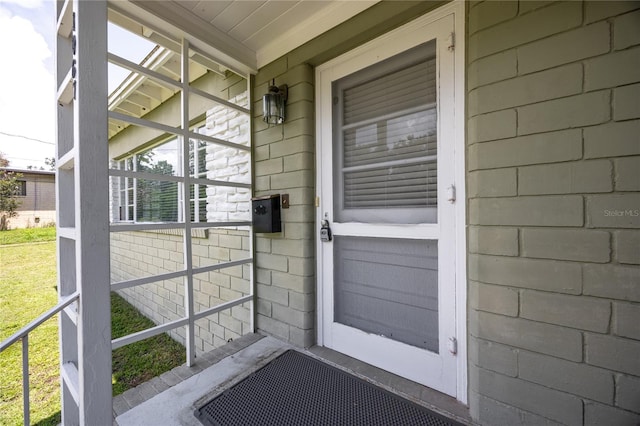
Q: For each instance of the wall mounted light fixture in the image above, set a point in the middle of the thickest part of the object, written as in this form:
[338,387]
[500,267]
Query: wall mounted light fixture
[273,104]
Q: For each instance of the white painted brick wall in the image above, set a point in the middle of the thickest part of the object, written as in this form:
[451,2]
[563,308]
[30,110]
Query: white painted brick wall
[228,164]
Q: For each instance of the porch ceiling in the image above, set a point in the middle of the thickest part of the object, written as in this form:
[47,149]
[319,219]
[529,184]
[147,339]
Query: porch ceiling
[252,32]
[241,35]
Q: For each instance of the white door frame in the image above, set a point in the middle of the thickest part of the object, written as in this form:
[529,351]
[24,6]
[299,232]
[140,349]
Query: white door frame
[323,113]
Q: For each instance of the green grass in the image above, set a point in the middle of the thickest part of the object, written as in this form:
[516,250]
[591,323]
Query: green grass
[27,289]
[141,361]
[28,235]
[27,283]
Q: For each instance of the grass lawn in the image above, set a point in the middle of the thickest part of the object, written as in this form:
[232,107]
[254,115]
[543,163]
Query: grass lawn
[27,289]
[29,235]
[141,361]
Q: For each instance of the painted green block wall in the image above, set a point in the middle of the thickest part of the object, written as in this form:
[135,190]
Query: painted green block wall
[284,164]
[553,176]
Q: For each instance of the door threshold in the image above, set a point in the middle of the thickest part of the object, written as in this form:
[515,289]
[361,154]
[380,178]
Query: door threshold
[423,395]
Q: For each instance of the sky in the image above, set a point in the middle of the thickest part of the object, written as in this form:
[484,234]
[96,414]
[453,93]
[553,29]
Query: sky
[27,86]
[27,78]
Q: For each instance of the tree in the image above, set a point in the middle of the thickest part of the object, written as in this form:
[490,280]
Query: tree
[51,162]
[9,189]
[4,162]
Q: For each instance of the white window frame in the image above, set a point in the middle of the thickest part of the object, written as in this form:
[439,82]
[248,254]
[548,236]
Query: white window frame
[198,174]
[124,199]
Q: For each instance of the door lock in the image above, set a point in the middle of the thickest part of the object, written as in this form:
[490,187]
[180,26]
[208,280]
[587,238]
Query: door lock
[325,231]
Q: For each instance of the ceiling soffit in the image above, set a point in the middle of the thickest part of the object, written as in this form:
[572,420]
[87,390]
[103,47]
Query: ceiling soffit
[246,34]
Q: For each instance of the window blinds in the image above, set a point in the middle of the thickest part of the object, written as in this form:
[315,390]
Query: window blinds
[386,129]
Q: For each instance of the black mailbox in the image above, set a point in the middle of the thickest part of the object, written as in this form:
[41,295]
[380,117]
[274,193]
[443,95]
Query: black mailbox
[266,214]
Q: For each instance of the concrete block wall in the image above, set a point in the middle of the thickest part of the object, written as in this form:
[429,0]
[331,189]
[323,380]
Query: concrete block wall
[141,254]
[554,212]
[41,192]
[284,164]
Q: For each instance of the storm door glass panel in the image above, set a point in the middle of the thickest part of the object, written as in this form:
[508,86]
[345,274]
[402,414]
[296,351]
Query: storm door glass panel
[385,135]
[388,287]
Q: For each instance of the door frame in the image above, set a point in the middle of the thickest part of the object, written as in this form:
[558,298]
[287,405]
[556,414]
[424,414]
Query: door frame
[323,113]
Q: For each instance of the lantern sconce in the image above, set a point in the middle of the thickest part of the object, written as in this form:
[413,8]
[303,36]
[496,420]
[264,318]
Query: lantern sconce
[273,104]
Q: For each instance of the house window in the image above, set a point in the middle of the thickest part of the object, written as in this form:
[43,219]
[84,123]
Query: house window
[150,200]
[158,200]
[21,188]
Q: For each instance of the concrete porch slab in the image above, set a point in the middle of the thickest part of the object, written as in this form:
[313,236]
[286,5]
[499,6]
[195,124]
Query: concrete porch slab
[172,398]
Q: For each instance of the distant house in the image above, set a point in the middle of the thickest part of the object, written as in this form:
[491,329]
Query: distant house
[37,196]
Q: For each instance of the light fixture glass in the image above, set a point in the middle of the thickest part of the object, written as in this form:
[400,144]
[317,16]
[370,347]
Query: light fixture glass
[273,104]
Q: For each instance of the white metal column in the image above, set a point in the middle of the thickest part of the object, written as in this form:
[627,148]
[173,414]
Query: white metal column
[82,211]
[186,203]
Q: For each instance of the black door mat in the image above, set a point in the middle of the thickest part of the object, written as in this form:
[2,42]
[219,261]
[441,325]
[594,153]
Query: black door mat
[296,389]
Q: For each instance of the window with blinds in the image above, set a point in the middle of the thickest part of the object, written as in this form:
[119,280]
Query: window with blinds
[385,141]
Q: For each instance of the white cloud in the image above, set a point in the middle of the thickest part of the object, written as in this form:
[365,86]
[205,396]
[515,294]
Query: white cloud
[27,105]
[27,4]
